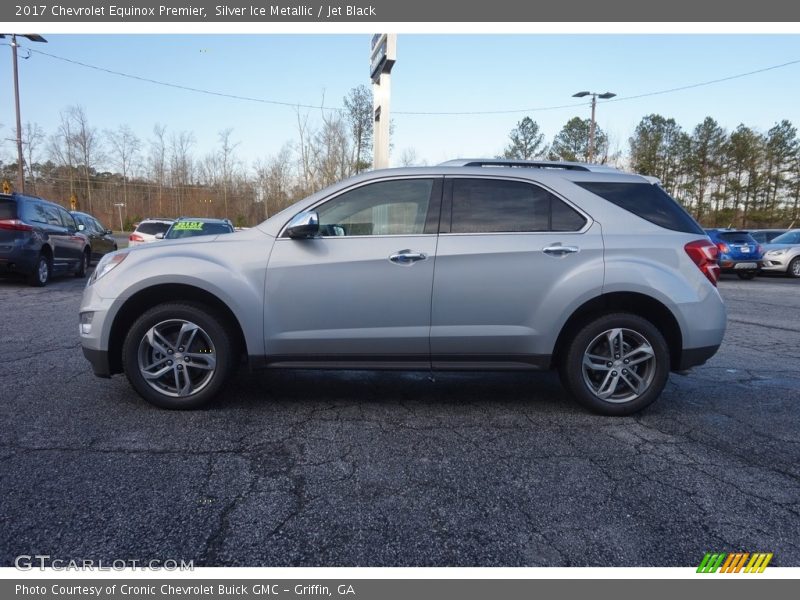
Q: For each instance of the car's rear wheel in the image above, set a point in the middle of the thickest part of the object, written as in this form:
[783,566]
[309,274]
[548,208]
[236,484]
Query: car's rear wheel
[794,268]
[178,355]
[747,275]
[41,271]
[617,364]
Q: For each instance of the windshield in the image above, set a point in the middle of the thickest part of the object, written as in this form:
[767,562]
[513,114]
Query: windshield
[153,227]
[736,237]
[184,229]
[790,237]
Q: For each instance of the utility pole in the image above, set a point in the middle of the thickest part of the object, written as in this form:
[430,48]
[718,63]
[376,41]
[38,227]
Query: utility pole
[595,96]
[20,161]
[383,55]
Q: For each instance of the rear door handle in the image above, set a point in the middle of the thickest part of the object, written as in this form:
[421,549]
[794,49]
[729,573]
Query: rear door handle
[407,257]
[559,250]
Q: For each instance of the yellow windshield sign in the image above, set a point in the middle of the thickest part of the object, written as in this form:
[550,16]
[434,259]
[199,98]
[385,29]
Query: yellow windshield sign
[189,225]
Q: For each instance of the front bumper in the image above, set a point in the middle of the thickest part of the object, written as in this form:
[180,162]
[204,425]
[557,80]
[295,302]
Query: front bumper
[694,357]
[775,264]
[95,340]
[99,361]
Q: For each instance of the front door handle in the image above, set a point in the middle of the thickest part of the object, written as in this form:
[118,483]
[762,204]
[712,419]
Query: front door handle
[559,250]
[407,257]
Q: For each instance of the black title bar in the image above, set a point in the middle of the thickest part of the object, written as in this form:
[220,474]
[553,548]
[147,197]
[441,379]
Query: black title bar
[465,11]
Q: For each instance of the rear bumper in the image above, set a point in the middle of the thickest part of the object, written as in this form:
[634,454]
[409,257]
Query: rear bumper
[18,260]
[739,266]
[99,361]
[694,357]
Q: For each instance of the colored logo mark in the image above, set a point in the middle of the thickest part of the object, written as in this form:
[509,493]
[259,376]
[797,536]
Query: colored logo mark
[734,562]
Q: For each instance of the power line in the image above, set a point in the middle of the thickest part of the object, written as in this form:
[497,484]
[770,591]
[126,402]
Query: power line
[183,87]
[409,112]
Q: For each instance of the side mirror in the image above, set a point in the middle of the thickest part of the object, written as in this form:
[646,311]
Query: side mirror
[159,236]
[81,227]
[109,232]
[303,225]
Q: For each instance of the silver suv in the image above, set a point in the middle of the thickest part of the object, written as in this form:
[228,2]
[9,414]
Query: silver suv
[473,264]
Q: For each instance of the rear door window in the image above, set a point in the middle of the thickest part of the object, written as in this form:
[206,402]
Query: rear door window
[66,219]
[647,201]
[499,206]
[52,216]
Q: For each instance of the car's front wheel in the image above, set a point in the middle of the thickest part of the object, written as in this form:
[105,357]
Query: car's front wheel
[793,269]
[178,355]
[617,364]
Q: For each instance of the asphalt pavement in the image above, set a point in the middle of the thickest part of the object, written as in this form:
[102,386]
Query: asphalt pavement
[400,469]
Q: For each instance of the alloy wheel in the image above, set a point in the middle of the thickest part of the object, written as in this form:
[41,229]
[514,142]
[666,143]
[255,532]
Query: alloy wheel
[619,365]
[177,358]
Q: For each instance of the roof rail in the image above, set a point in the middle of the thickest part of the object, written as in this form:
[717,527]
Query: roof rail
[531,164]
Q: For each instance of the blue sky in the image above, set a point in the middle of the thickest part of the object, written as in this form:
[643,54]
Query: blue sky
[433,73]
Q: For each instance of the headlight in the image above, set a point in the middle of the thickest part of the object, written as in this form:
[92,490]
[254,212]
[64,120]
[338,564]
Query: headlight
[106,264]
[777,252]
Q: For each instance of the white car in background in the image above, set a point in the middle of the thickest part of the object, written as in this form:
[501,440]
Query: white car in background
[782,255]
[147,230]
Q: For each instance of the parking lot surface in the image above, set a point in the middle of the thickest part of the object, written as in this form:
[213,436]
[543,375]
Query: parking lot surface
[385,469]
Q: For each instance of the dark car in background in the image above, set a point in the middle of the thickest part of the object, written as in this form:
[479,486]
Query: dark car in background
[101,239]
[765,236]
[192,226]
[738,252]
[39,239]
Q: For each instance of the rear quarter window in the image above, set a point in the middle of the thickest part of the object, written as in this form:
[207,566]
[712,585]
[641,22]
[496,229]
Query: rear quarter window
[647,201]
[8,209]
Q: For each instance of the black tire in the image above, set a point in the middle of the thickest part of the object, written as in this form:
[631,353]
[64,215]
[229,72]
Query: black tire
[213,340]
[747,275]
[86,259]
[42,271]
[653,372]
[793,270]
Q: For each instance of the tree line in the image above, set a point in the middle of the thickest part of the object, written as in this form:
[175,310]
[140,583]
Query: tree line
[742,178]
[122,178]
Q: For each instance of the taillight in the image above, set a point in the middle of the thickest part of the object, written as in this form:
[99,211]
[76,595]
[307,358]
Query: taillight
[135,238]
[15,225]
[705,255]
[760,249]
[723,247]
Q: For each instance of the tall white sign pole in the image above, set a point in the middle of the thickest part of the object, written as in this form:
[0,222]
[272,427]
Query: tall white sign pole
[382,58]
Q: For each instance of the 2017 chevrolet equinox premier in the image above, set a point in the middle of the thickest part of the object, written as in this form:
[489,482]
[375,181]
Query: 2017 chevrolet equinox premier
[473,264]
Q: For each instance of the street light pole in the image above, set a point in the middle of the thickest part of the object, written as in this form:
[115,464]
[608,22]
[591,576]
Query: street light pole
[20,167]
[592,125]
[20,163]
[119,206]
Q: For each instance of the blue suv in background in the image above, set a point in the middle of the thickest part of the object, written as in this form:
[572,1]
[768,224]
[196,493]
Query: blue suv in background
[739,252]
[39,239]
